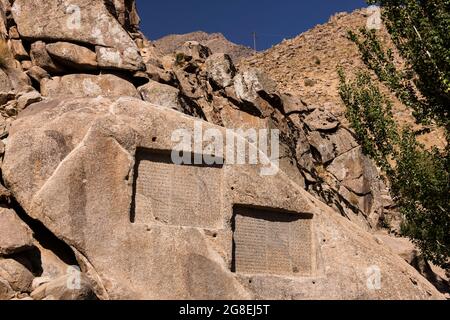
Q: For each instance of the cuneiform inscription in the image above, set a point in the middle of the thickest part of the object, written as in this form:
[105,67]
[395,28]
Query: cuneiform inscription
[269,242]
[174,194]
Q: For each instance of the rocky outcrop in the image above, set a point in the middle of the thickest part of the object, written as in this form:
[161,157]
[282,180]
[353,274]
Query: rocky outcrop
[215,41]
[86,85]
[117,146]
[74,56]
[82,21]
[161,94]
[59,290]
[16,274]
[15,236]
[409,252]
[88,109]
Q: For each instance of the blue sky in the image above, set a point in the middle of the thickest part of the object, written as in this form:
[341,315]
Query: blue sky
[272,20]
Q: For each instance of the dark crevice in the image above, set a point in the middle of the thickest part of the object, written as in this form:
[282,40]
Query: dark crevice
[45,237]
[316,154]
[274,100]
[191,108]
[30,259]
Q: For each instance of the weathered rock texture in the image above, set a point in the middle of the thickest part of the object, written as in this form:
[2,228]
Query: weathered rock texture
[99,176]
[89,182]
[215,41]
[86,85]
[83,21]
[15,235]
[306,66]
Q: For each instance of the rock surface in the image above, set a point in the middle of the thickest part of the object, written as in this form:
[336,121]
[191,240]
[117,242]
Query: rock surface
[220,69]
[92,157]
[216,42]
[17,275]
[83,21]
[161,95]
[65,288]
[73,55]
[86,85]
[98,144]
[15,236]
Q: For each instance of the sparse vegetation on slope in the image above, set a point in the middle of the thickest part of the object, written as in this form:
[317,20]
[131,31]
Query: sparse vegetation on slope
[420,178]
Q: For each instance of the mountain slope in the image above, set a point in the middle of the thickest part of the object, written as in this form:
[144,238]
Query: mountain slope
[215,41]
[306,66]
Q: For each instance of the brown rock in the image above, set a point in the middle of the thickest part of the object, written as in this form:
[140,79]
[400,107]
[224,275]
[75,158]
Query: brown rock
[215,41]
[26,65]
[86,85]
[194,51]
[321,120]
[220,69]
[349,166]
[65,288]
[15,236]
[409,252]
[293,104]
[25,99]
[161,95]
[165,214]
[13,33]
[12,78]
[6,292]
[72,55]
[189,84]
[250,83]
[41,58]
[37,74]
[18,277]
[5,83]
[3,30]
[18,50]
[126,13]
[332,145]
[159,75]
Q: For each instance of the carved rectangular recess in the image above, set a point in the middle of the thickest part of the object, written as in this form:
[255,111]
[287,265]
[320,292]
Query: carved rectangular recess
[180,195]
[268,241]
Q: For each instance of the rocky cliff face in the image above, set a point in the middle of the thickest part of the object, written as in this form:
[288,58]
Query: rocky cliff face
[215,41]
[93,207]
[306,66]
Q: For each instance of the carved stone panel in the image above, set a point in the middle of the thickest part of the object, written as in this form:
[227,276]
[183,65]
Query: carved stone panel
[271,242]
[181,195]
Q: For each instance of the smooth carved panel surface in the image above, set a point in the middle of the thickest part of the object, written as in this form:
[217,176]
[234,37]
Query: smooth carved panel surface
[269,242]
[182,195]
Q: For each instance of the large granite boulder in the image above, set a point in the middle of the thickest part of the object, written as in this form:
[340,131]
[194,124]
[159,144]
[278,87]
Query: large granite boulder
[16,274]
[87,85]
[15,236]
[6,292]
[161,94]
[72,55]
[41,58]
[97,173]
[220,69]
[80,21]
[59,289]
